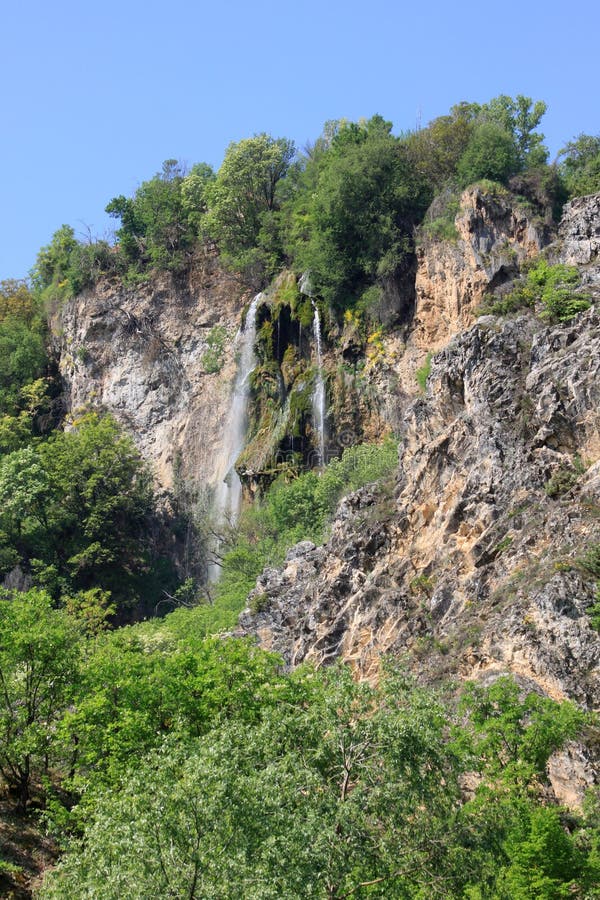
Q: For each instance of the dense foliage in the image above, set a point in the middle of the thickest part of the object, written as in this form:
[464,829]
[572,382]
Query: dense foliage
[580,165]
[314,786]
[25,385]
[173,762]
[74,509]
[345,209]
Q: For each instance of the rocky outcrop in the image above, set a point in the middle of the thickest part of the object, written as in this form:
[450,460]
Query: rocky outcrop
[140,353]
[473,564]
[579,238]
[493,236]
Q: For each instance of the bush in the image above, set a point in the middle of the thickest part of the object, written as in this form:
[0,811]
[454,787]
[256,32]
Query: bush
[423,373]
[212,358]
[553,289]
[289,513]
[491,153]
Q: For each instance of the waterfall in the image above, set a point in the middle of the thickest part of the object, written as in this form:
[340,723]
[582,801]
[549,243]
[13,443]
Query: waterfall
[318,397]
[228,493]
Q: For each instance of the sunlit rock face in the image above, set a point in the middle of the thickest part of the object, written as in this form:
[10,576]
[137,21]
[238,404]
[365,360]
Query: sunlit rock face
[141,354]
[470,562]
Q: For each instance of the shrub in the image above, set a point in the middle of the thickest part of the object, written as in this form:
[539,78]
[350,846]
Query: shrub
[212,358]
[552,288]
[423,373]
[560,482]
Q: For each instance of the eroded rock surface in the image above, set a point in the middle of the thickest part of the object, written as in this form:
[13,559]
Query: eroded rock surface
[472,565]
[139,353]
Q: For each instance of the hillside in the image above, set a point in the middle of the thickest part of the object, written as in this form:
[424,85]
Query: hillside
[299,526]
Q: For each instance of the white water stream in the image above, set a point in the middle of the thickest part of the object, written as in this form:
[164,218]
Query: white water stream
[319,396]
[228,492]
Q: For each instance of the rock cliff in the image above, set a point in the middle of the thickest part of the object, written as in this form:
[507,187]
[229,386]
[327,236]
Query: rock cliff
[474,559]
[142,352]
[161,358]
[481,556]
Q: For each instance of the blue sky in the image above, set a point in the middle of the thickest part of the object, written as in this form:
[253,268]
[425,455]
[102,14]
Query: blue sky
[96,95]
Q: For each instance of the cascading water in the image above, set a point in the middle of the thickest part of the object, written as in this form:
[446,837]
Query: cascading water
[319,396]
[228,493]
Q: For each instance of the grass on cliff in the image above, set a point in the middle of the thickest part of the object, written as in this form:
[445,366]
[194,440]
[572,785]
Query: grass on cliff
[290,512]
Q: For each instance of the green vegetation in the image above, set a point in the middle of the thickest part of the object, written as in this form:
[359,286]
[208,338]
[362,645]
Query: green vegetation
[552,290]
[244,204]
[290,512]
[579,164]
[345,209]
[73,514]
[351,225]
[173,762]
[159,224]
[564,478]
[310,785]
[23,357]
[423,373]
[212,358]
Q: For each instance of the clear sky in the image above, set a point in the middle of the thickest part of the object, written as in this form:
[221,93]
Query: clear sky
[96,95]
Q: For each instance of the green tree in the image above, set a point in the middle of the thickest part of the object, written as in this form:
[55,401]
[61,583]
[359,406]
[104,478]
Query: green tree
[144,682]
[23,356]
[337,788]
[520,117]
[491,153]
[39,659]
[159,224]
[243,201]
[436,150]
[579,165]
[75,508]
[355,227]
[66,266]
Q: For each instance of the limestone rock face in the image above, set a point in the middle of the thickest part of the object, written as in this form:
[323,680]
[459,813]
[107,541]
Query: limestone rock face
[579,232]
[492,237]
[138,353]
[472,564]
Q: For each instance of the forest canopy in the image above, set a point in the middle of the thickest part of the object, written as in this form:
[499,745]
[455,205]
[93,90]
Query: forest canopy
[345,207]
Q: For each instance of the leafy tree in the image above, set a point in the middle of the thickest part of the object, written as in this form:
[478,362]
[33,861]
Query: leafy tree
[545,862]
[23,356]
[513,735]
[243,201]
[194,193]
[491,153]
[66,266]
[74,510]
[519,117]
[436,150]
[159,223]
[17,301]
[355,227]
[141,683]
[38,670]
[339,788]
[579,165]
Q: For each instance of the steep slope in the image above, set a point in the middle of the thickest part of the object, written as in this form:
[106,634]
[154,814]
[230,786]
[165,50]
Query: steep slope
[160,357]
[141,352]
[475,560]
